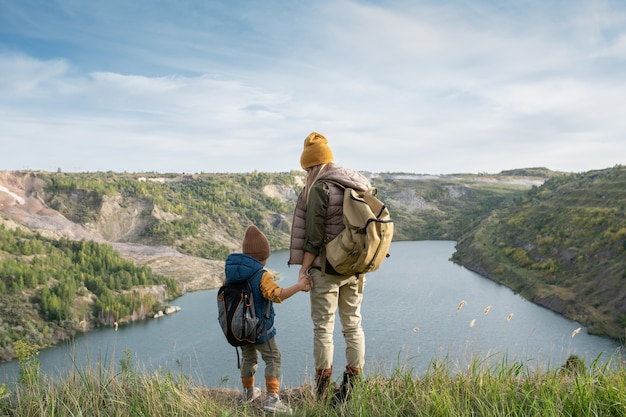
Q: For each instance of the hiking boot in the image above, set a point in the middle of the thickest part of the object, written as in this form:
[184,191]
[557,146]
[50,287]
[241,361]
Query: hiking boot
[343,392]
[322,388]
[273,404]
[251,394]
[322,383]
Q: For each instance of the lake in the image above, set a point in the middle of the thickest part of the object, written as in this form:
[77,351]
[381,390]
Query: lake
[417,308]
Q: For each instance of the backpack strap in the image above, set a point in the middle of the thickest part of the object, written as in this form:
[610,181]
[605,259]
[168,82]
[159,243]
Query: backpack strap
[323,248]
[322,254]
[372,190]
[238,357]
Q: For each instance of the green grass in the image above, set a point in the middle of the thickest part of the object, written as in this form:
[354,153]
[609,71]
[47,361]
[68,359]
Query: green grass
[480,389]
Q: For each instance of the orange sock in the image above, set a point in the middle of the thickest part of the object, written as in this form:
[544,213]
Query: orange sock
[272,384]
[247,382]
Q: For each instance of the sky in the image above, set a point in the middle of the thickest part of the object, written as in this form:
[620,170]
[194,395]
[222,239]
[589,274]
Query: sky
[413,86]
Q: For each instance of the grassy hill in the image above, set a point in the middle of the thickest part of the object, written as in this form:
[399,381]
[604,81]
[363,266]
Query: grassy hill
[562,245]
[206,214]
[505,389]
[202,215]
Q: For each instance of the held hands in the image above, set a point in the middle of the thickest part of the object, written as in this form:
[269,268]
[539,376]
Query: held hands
[305,281]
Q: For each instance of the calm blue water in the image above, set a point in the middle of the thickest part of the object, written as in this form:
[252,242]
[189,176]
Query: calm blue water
[410,318]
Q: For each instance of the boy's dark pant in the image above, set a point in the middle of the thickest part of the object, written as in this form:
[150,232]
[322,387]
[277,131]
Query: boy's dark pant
[271,356]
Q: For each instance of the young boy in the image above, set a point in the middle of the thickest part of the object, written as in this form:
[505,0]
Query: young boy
[241,266]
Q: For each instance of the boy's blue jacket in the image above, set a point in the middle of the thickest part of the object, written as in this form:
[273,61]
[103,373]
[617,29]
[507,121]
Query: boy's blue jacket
[240,267]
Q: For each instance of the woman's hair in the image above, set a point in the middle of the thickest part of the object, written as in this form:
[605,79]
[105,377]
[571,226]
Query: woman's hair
[312,175]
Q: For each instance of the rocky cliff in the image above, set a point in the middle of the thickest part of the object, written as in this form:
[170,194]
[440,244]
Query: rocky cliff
[22,204]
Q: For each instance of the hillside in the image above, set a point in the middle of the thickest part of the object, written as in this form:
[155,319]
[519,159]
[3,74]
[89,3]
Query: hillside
[180,227]
[563,246]
[147,216]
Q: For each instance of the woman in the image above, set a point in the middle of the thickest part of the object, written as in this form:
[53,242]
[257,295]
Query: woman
[318,219]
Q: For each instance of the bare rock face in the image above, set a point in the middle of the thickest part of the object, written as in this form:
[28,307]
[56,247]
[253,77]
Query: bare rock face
[119,222]
[22,204]
[282,192]
[192,273]
[21,200]
[410,201]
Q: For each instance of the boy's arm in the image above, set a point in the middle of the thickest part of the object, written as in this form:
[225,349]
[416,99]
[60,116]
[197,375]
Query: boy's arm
[303,284]
[275,293]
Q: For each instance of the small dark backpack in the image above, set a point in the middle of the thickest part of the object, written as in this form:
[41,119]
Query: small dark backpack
[236,313]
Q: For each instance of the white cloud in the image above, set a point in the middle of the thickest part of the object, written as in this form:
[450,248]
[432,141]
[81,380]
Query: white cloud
[408,86]
[22,76]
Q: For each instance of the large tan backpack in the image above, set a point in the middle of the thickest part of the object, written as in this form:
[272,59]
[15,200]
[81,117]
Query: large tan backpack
[364,243]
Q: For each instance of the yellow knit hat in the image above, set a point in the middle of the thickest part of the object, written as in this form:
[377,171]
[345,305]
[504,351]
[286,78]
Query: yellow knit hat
[256,244]
[316,151]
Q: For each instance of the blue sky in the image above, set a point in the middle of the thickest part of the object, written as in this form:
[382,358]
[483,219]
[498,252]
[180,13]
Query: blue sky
[435,87]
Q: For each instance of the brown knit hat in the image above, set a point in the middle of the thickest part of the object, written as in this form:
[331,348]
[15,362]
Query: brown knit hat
[316,151]
[256,244]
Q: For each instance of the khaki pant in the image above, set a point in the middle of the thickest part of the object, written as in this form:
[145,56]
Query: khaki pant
[270,354]
[332,293]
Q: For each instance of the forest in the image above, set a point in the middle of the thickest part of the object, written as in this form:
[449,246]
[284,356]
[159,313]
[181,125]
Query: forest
[70,285]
